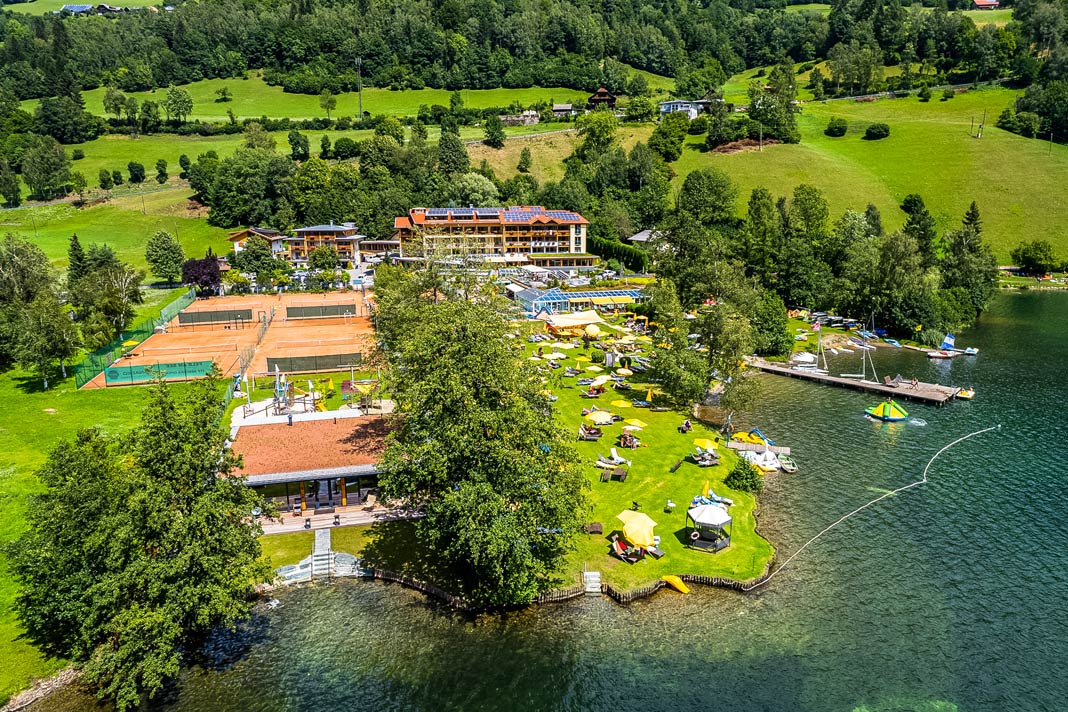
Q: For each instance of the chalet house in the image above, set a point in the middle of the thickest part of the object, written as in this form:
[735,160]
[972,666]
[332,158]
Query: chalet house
[601,97]
[527,118]
[680,106]
[277,240]
[985,4]
[520,234]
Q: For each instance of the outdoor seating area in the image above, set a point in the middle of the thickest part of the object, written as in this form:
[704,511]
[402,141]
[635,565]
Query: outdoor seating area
[661,458]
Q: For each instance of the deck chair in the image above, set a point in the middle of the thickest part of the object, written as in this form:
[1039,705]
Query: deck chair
[623,553]
[370,502]
[617,459]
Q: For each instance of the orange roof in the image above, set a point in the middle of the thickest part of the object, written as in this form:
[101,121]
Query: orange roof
[310,445]
[401,223]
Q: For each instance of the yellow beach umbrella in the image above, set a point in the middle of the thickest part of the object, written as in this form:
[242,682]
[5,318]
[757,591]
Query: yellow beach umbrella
[582,359]
[637,527]
[554,355]
[601,380]
[592,330]
[636,423]
[600,417]
[704,444]
[594,369]
[131,342]
[533,358]
[624,372]
[620,403]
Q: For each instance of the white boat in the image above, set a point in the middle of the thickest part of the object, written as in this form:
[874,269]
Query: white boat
[971,351]
[804,357]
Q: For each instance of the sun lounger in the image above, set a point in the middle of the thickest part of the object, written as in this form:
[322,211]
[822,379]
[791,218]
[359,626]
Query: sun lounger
[620,550]
[641,404]
[616,459]
[369,503]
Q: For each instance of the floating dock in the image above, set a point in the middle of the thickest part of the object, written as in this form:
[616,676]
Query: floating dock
[757,447]
[922,392]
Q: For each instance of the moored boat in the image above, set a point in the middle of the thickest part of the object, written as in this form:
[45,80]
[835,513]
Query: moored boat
[966,393]
[787,463]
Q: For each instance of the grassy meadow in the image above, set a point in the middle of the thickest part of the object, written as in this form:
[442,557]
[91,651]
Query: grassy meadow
[253,97]
[1017,182]
[119,223]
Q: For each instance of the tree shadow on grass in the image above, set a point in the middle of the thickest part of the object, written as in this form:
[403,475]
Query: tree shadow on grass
[397,546]
[32,384]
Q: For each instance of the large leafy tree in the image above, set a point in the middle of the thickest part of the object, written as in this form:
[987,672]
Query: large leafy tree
[45,167]
[475,444]
[139,546]
[46,334]
[256,258]
[165,256]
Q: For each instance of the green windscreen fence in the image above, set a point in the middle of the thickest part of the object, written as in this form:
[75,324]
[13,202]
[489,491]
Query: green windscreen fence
[320,311]
[305,364]
[215,316]
[95,363]
[125,375]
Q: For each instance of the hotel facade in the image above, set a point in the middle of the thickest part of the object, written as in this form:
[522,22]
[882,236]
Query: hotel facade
[516,235]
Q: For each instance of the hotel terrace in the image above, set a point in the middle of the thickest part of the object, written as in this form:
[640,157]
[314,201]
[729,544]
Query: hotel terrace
[516,235]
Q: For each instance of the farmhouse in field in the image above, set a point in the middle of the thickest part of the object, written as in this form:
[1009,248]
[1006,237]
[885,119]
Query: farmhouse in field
[985,4]
[563,111]
[520,234]
[601,97]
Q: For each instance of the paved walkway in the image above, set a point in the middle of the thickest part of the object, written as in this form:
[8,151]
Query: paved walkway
[262,414]
[348,516]
[322,541]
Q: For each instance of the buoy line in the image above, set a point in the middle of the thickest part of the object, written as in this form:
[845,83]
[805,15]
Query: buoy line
[861,508]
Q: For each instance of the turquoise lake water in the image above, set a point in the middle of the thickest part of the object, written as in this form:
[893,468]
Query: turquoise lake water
[950,596]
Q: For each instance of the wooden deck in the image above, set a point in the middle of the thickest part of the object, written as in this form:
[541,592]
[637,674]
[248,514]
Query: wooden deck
[922,392]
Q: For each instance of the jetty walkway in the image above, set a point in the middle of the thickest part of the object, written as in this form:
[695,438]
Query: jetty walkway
[923,392]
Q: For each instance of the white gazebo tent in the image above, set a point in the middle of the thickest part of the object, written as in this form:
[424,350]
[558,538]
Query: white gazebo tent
[709,527]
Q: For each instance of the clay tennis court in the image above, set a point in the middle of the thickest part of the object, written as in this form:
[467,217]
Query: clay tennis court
[323,337]
[227,331]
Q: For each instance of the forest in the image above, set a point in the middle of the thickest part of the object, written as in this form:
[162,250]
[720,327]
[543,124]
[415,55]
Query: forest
[310,45]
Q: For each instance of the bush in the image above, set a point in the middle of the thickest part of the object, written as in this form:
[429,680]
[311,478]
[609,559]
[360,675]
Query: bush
[744,477]
[77,154]
[876,132]
[924,94]
[699,125]
[836,127]
[948,94]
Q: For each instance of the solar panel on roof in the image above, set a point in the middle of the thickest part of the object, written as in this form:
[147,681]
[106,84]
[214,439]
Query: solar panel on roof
[437,212]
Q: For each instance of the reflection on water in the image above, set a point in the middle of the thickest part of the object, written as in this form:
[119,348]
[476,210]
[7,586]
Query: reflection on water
[945,597]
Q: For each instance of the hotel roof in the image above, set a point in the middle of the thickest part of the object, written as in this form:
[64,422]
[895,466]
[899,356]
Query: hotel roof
[512,215]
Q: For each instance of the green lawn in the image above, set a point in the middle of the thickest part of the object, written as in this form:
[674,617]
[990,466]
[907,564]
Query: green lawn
[40,7]
[119,223]
[289,548]
[1002,16]
[818,7]
[252,97]
[31,423]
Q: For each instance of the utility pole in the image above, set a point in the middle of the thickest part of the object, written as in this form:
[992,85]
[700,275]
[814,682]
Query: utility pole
[359,84]
[761,138]
[1050,153]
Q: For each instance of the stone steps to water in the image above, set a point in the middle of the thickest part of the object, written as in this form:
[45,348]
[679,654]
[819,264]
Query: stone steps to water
[591,582]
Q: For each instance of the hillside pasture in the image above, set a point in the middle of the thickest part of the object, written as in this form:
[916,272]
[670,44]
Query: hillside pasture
[253,97]
[1017,182]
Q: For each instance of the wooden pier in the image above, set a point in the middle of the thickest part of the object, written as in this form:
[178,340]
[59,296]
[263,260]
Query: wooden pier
[922,392]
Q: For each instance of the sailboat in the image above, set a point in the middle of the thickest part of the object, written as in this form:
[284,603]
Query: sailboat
[865,358]
[947,349]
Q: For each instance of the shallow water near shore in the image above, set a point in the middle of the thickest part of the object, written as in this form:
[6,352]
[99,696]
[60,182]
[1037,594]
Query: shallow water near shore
[950,596]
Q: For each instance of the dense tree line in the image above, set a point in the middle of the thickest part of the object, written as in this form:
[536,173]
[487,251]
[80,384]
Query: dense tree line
[311,45]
